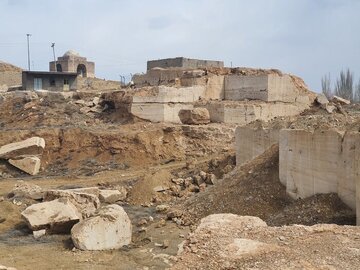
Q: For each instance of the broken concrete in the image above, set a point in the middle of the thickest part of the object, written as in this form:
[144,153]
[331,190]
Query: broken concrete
[57,216]
[30,165]
[86,203]
[30,147]
[110,228]
[196,116]
[341,100]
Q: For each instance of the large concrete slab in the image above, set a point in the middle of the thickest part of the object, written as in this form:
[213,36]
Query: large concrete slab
[30,165]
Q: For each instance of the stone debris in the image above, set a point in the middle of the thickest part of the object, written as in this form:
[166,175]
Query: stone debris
[33,146]
[25,190]
[109,228]
[322,99]
[2,267]
[341,100]
[111,196]
[57,216]
[86,203]
[30,165]
[38,234]
[196,116]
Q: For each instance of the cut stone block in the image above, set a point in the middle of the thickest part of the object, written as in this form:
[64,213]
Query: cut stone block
[109,229]
[30,147]
[57,216]
[196,116]
[341,100]
[30,165]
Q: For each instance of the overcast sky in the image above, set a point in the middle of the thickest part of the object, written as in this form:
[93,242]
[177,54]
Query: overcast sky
[308,38]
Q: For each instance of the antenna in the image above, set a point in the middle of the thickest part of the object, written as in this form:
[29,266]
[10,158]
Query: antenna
[28,47]
[53,47]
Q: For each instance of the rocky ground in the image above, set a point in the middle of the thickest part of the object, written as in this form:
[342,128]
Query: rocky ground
[173,176]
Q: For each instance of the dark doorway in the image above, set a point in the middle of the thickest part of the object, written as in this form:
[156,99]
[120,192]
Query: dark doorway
[58,68]
[81,70]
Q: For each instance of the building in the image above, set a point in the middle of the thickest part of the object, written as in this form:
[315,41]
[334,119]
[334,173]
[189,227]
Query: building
[184,63]
[52,81]
[71,61]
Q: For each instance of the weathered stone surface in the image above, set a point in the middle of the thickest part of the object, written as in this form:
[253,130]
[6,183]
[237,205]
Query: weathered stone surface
[196,116]
[26,190]
[111,196]
[2,267]
[38,234]
[341,100]
[110,228]
[322,99]
[30,165]
[57,216]
[86,203]
[29,147]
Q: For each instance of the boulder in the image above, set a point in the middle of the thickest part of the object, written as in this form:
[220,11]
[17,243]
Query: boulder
[322,100]
[111,196]
[86,203]
[194,116]
[30,165]
[110,228]
[30,147]
[26,190]
[57,216]
[341,100]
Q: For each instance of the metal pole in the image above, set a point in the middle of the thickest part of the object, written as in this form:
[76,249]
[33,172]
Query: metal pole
[28,47]
[53,46]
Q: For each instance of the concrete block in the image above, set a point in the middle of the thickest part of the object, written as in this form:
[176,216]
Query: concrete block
[30,165]
[111,196]
[32,146]
[196,116]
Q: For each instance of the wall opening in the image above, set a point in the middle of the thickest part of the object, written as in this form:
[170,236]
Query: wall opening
[81,70]
[58,68]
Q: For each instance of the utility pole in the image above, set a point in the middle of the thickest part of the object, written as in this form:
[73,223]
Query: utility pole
[53,47]
[28,47]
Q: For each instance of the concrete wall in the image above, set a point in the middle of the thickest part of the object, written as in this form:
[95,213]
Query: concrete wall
[182,62]
[159,112]
[271,87]
[244,113]
[155,77]
[321,162]
[252,142]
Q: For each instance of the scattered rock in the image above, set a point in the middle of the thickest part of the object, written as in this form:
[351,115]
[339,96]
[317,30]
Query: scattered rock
[330,108]
[341,100]
[30,165]
[2,220]
[38,234]
[2,267]
[196,116]
[160,188]
[26,190]
[33,146]
[210,179]
[162,208]
[57,216]
[322,100]
[111,196]
[86,203]
[110,228]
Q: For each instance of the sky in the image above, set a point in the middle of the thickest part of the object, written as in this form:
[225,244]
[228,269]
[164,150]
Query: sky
[308,38]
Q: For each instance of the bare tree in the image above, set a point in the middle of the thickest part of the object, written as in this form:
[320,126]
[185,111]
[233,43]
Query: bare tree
[357,92]
[326,86]
[344,85]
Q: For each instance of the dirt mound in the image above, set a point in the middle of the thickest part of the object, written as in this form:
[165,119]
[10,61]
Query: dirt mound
[227,241]
[254,189]
[6,67]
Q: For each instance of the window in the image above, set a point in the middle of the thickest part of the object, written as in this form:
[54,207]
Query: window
[52,82]
[66,82]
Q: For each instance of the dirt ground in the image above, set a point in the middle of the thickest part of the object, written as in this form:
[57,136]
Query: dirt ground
[101,144]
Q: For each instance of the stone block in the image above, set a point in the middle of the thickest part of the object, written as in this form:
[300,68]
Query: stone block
[110,228]
[196,116]
[57,216]
[30,147]
[30,165]
[111,196]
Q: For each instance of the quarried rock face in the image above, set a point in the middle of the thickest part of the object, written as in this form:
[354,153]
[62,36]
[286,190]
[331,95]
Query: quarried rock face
[57,216]
[195,116]
[110,228]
